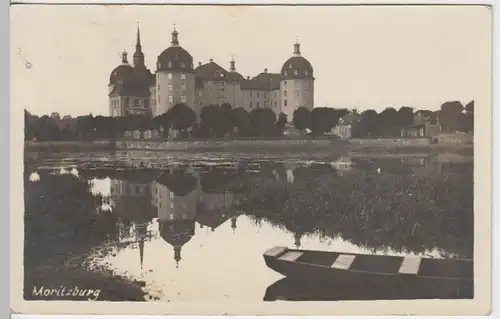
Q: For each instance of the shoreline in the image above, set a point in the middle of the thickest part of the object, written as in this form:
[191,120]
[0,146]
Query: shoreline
[390,148]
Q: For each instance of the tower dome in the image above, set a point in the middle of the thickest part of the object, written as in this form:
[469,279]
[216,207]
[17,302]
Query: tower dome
[297,67]
[122,73]
[175,57]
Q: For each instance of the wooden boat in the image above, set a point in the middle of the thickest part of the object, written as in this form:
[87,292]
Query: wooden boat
[322,266]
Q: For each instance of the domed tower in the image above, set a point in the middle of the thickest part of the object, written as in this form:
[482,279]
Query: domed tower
[297,83]
[120,78]
[175,78]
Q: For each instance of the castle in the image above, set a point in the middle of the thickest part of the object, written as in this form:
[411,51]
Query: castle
[134,89]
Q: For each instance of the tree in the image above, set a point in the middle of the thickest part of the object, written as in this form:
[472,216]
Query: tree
[301,118]
[262,121]
[226,122]
[405,116]
[215,121]
[241,120]
[181,117]
[162,122]
[368,124]
[450,116]
[389,122]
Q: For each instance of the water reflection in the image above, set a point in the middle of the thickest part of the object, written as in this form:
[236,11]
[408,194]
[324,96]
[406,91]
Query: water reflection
[211,223]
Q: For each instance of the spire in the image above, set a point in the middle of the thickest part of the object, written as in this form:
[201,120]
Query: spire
[175,37]
[297,237]
[296,47]
[138,55]
[138,41]
[141,250]
[124,57]
[232,67]
[233,223]
[177,255]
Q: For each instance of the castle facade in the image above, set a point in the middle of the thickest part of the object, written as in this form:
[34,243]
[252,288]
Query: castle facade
[134,89]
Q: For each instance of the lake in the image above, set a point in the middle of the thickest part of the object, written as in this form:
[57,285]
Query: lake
[194,227]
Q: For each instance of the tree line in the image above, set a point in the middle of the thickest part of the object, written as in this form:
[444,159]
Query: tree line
[219,121]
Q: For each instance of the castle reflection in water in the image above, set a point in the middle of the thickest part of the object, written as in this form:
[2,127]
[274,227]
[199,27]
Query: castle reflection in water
[173,202]
[178,198]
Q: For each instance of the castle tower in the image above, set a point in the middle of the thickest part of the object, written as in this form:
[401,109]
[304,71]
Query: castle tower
[175,78]
[120,77]
[297,83]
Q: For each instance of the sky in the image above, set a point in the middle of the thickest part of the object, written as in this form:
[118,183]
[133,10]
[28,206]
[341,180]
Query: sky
[364,57]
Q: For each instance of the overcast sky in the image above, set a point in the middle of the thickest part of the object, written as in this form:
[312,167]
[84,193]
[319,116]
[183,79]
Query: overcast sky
[363,57]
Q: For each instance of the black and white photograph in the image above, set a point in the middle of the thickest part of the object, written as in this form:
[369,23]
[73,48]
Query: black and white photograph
[271,156]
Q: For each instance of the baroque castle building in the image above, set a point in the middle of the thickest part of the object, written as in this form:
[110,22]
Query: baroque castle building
[134,89]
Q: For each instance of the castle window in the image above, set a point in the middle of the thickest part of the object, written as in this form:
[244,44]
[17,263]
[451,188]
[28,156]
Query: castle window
[284,93]
[183,99]
[290,66]
[169,76]
[183,65]
[176,57]
[275,104]
[306,72]
[296,72]
[183,76]
[286,73]
[170,98]
[285,103]
[183,87]
[169,64]
[171,206]
[171,195]
[159,67]
[170,87]
[275,93]
[250,104]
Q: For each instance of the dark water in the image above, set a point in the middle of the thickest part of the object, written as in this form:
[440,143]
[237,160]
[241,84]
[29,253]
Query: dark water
[194,228]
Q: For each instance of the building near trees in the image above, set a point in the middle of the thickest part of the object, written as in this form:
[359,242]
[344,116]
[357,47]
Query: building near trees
[134,89]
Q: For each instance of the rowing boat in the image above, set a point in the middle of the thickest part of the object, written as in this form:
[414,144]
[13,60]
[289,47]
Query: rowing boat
[309,265]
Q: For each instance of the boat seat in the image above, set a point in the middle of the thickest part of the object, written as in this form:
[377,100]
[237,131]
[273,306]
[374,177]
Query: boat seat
[410,265]
[343,261]
[275,251]
[291,256]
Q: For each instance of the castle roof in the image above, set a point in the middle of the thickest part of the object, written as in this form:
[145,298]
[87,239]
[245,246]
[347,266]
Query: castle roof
[178,232]
[297,67]
[175,58]
[211,72]
[130,88]
[264,81]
